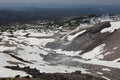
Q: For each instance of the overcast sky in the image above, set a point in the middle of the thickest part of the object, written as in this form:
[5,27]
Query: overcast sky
[63,2]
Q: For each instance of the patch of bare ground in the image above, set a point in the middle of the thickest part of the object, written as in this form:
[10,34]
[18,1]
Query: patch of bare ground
[111,73]
[15,63]
[111,42]
[41,37]
[7,44]
[52,76]
[96,70]
[86,41]
[91,39]
[20,59]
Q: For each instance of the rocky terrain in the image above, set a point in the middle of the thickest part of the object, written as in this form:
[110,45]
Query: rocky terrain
[86,53]
[36,75]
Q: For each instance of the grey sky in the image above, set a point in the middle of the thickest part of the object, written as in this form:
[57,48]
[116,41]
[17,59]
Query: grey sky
[63,1]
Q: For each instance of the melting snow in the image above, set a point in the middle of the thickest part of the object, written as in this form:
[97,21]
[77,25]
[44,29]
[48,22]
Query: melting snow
[95,53]
[106,69]
[100,62]
[114,26]
[35,47]
[69,53]
[116,60]
[105,78]
[35,41]
[99,73]
[30,49]
[108,53]
[3,48]
[8,72]
[72,37]
[115,48]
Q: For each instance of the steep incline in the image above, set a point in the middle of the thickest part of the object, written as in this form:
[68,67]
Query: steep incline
[104,35]
[89,38]
[93,50]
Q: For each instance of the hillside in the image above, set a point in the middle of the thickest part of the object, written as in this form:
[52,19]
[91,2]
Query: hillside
[93,50]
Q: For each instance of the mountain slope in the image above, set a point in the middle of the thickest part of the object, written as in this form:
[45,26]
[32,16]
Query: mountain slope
[92,37]
[93,50]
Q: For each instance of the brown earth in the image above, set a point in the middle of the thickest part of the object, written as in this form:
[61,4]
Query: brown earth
[91,39]
[49,76]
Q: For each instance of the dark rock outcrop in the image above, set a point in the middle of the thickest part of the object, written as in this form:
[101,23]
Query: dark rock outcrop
[86,41]
[49,76]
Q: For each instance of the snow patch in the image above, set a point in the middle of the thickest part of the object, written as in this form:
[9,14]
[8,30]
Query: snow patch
[116,60]
[95,53]
[108,53]
[105,78]
[72,37]
[106,69]
[115,48]
[69,53]
[3,48]
[114,26]
[4,72]
[35,41]
[100,62]
[100,73]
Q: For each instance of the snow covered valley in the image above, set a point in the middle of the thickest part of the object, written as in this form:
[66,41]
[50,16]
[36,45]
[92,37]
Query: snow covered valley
[92,50]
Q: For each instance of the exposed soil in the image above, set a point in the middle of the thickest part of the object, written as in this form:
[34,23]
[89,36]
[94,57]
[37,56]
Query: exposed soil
[20,59]
[91,39]
[56,59]
[86,41]
[49,76]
